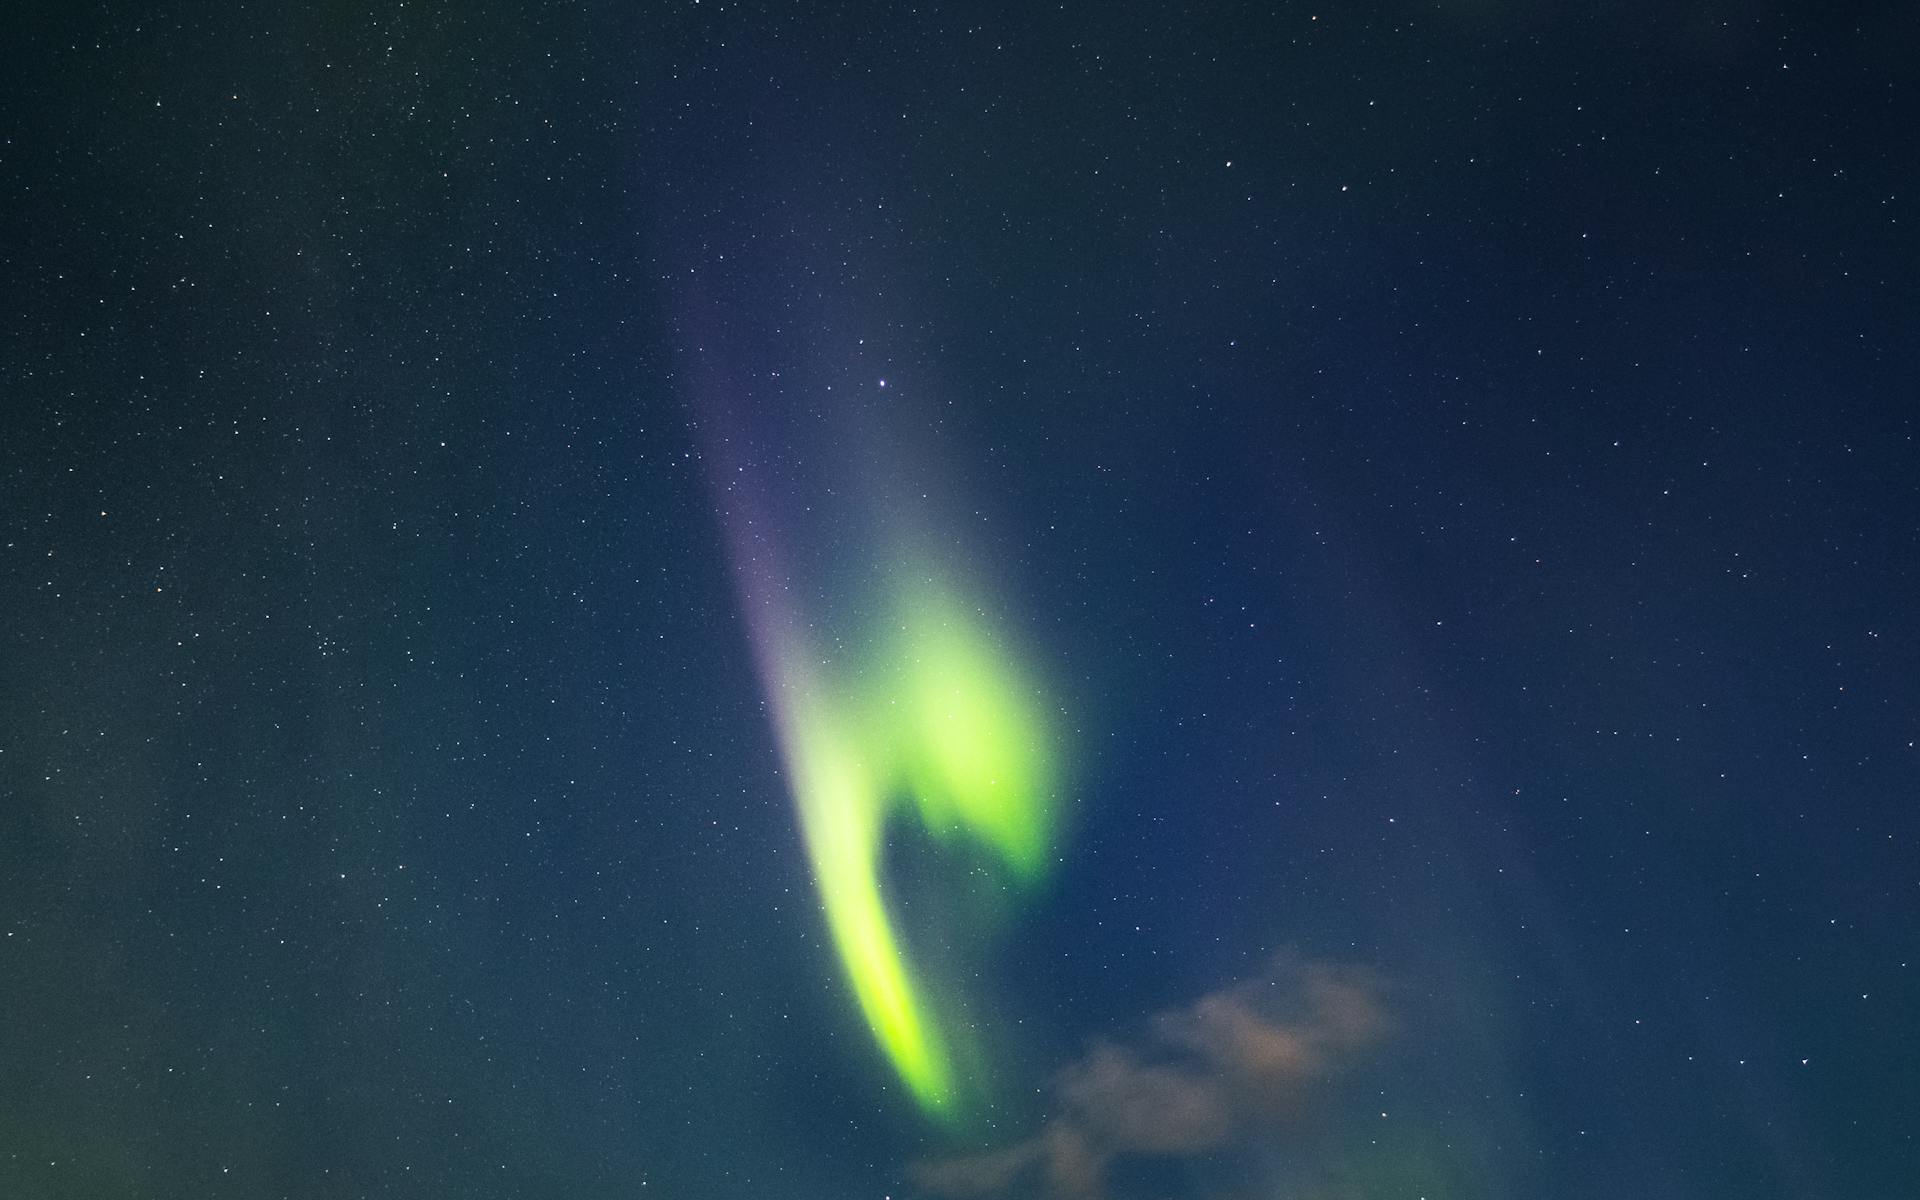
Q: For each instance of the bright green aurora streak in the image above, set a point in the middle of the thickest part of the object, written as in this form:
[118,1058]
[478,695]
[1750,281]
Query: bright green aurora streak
[938,723]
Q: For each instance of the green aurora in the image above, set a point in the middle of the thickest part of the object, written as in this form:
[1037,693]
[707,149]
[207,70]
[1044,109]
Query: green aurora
[939,724]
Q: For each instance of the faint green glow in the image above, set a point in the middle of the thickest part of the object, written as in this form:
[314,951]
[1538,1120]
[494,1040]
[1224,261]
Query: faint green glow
[938,723]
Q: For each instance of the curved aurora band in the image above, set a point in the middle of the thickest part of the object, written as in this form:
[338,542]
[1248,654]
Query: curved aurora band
[937,725]
[899,704]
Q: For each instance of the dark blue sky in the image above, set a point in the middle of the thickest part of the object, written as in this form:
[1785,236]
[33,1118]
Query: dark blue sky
[1457,462]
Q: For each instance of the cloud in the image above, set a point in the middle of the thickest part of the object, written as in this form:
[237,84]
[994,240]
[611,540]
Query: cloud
[1236,1065]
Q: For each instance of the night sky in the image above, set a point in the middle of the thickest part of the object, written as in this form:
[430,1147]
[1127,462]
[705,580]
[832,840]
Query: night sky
[1416,505]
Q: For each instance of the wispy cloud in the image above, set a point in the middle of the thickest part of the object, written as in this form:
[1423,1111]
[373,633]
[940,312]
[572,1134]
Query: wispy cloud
[1236,1065]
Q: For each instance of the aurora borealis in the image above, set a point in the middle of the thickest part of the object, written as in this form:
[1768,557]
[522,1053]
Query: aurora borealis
[903,703]
[940,728]
[840,601]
